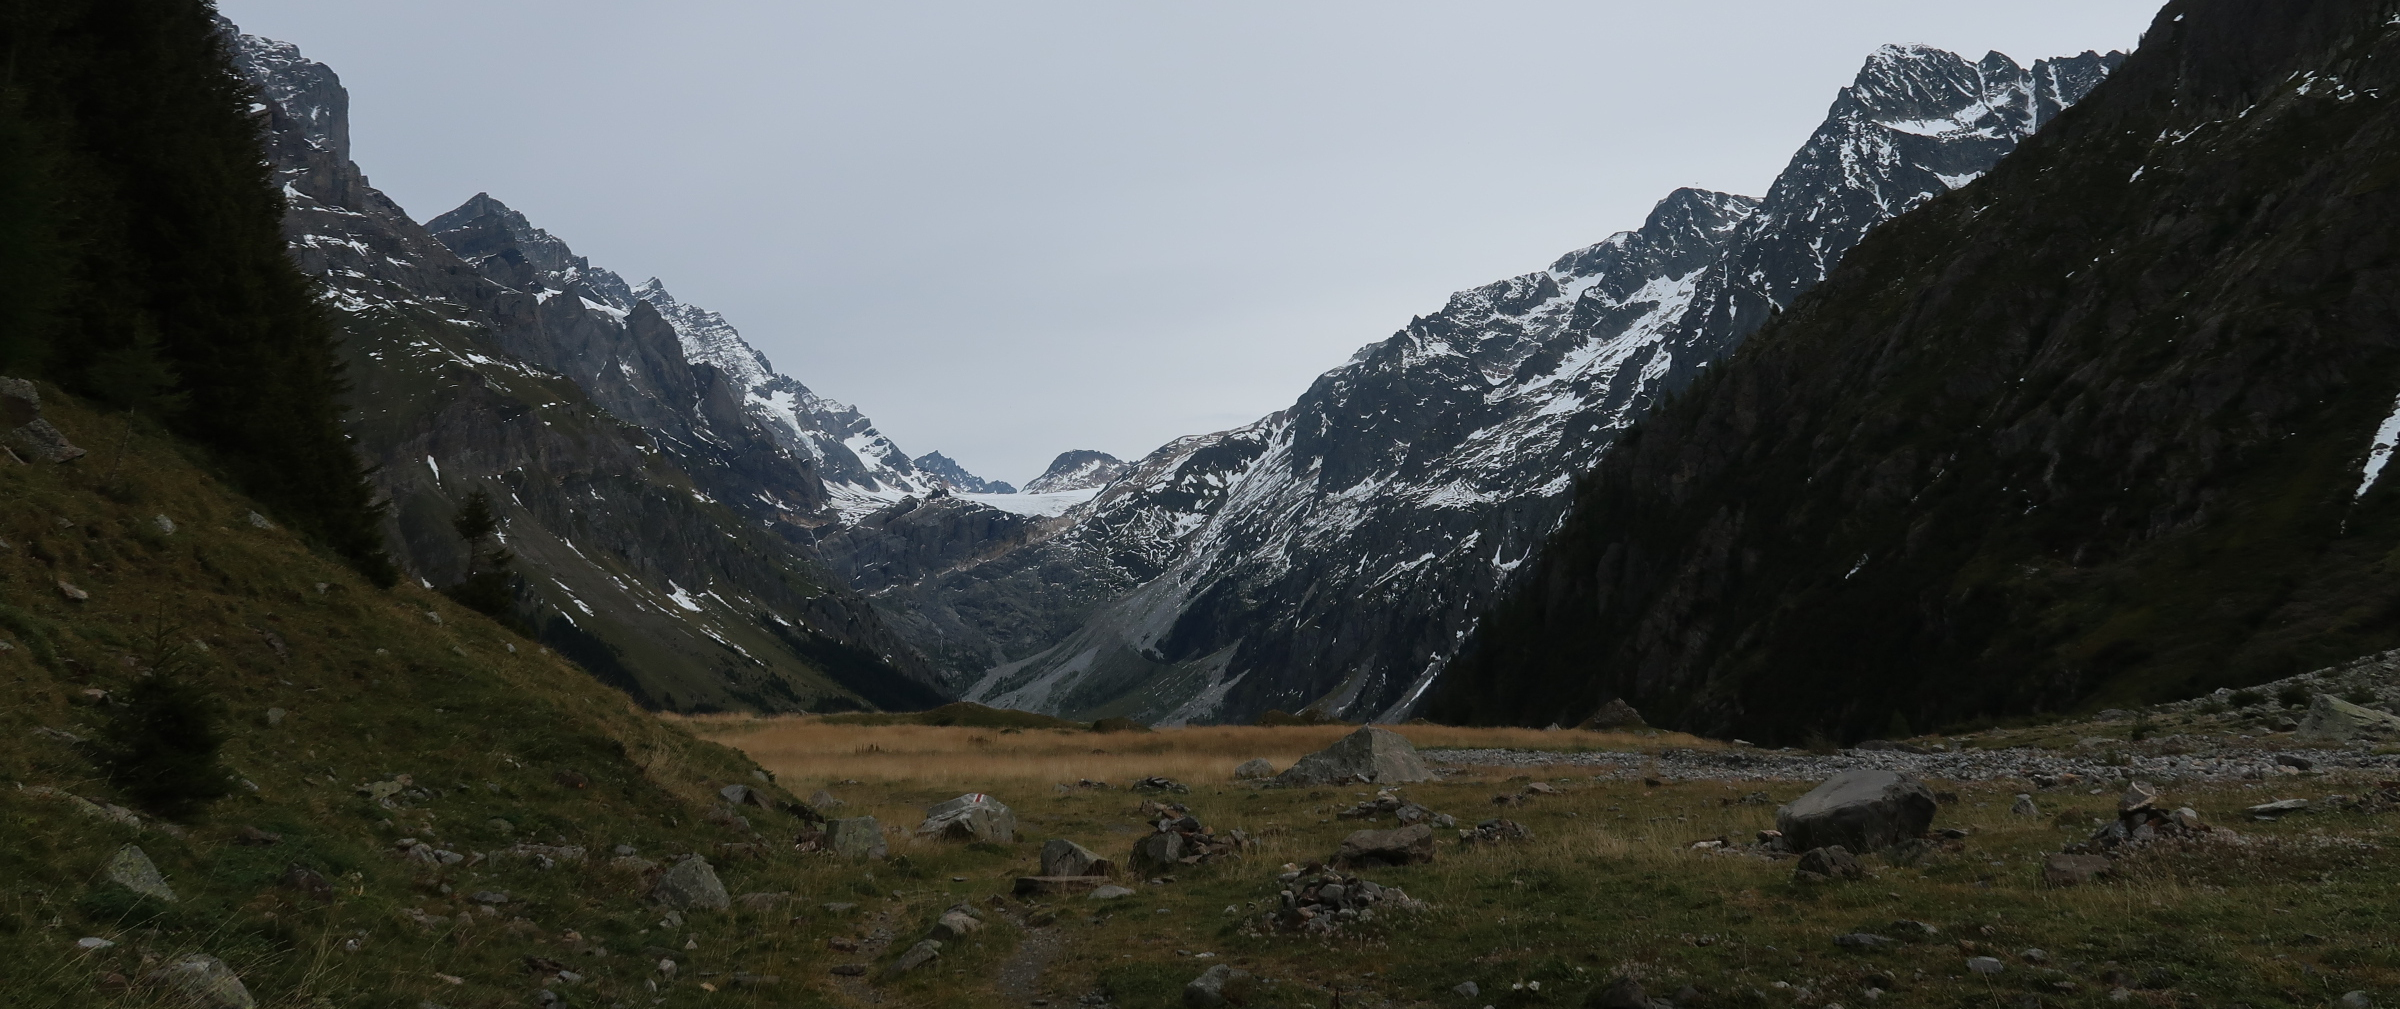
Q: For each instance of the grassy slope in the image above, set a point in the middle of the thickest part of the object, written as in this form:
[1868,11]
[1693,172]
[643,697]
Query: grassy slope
[373,688]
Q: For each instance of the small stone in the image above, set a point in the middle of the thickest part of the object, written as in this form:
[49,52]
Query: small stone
[2035,956]
[2062,869]
[1110,892]
[71,592]
[489,897]
[840,907]
[1467,988]
[256,838]
[824,800]
[2138,796]
[1985,965]
[1219,985]
[1863,940]
[274,717]
[258,521]
[2356,1000]
[133,870]
[2025,806]
[205,981]
[955,925]
[165,525]
[93,942]
[917,956]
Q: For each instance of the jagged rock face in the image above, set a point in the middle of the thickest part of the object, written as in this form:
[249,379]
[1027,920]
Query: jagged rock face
[535,377]
[1338,552]
[1081,469]
[947,470]
[2111,420]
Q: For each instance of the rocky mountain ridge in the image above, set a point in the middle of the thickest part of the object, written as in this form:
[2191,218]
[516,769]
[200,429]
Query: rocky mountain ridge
[1337,552]
[651,514]
[2105,427]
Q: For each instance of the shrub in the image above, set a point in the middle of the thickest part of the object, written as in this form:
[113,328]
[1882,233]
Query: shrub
[2293,696]
[159,748]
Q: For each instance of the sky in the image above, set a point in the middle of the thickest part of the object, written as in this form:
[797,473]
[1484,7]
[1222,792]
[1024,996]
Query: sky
[1009,230]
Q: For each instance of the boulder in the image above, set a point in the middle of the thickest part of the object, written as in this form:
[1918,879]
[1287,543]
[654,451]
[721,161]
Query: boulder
[1862,810]
[1818,865]
[1616,714]
[955,925]
[2333,720]
[1372,754]
[1162,850]
[1622,993]
[1254,768]
[1410,845]
[2062,869]
[1219,985]
[132,869]
[824,800]
[204,982]
[856,837]
[970,817]
[691,885]
[917,956]
[21,420]
[1061,857]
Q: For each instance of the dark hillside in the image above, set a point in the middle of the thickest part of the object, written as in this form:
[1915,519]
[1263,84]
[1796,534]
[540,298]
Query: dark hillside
[2096,428]
[142,239]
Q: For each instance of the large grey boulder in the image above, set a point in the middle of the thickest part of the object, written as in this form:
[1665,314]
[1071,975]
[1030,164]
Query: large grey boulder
[1862,810]
[2333,720]
[1062,857]
[1254,768]
[1372,754]
[132,869]
[970,817]
[691,885]
[856,837]
[204,982]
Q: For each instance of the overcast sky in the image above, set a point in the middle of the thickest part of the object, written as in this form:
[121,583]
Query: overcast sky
[1005,230]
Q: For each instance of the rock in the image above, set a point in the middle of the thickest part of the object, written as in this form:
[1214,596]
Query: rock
[1622,993]
[1372,754]
[1985,965]
[306,880]
[1110,892]
[917,956]
[1467,988]
[1219,985]
[489,897]
[762,901]
[1159,783]
[742,795]
[1541,788]
[275,717]
[955,925]
[691,885]
[1864,940]
[204,981]
[256,838]
[2186,818]
[1496,830]
[1161,850]
[825,800]
[132,869]
[68,589]
[1061,857]
[2297,763]
[1818,865]
[2279,807]
[1410,845]
[2063,869]
[1253,769]
[1034,886]
[970,817]
[2355,1000]
[2138,796]
[2333,720]
[856,837]
[2025,806]
[21,419]
[1616,714]
[1862,810]
[1912,927]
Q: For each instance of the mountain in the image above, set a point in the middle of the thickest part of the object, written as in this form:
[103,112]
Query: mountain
[1335,554]
[2108,424]
[654,518]
[1082,469]
[954,476]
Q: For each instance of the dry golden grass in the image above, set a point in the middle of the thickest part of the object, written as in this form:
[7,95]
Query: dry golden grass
[807,748]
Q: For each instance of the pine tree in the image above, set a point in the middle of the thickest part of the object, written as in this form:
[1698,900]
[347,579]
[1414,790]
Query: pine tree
[160,746]
[490,586]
